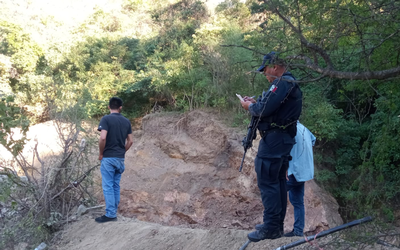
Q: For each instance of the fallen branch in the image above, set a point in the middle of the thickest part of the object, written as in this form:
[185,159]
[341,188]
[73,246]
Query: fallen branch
[75,183]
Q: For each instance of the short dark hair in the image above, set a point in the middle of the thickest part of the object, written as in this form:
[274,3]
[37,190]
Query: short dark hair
[115,103]
[271,59]
[280,62]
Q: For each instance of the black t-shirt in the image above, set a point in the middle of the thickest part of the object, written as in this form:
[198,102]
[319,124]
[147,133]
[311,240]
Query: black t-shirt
[118,128]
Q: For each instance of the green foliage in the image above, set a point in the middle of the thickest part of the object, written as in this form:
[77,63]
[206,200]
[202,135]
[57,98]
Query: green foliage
[381,151]
[359,151]
[234,9]
[106,21]
[5,188]
[98,69]
[320,116]
[11,116]
[179,22]
[15,43]
[325,175]
[27,229]
[134,57]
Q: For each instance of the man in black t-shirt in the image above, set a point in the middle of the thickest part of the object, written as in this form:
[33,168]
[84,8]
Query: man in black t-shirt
[115,140]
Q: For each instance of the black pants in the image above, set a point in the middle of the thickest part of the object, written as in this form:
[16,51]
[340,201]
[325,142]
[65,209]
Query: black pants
[271,180]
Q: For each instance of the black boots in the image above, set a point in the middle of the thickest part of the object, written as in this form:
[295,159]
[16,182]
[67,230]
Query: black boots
[104,218]
[263,234]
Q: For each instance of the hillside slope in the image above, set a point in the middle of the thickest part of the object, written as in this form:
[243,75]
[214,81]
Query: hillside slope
[182,190]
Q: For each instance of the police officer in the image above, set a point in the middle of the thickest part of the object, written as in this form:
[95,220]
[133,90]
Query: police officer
[277,112]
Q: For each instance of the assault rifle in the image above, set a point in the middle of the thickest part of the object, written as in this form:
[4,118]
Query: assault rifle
[248,139]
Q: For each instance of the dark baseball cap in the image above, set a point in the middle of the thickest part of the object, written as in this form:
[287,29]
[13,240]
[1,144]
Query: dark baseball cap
[268,59]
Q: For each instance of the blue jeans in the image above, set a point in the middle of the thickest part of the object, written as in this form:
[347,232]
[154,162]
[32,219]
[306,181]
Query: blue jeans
[296,197]
[111,170]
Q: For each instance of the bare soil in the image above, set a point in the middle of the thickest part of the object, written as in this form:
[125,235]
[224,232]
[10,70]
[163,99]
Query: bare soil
[181,190]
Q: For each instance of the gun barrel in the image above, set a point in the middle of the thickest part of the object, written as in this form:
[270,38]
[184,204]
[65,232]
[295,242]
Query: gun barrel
[241,164]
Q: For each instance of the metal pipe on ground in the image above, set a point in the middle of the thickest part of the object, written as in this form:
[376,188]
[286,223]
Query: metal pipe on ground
[326,232]
[319,235]
[245,245]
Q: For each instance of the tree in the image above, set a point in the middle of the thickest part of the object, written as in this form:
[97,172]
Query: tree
[350,49]
[40,192]
[12,116]
[341,39]
[19,46]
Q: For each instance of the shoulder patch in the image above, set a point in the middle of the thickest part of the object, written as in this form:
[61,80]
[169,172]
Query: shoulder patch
[273,88]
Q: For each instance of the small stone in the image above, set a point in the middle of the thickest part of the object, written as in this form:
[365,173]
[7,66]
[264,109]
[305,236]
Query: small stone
[236,223]
[81,210]
[42,246]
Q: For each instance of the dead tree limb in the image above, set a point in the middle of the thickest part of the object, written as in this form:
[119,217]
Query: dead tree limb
[75,183]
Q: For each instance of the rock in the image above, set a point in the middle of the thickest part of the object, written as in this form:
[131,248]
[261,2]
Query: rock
[42,246]
[24,179]
[321,210]
[22,246]
[236,223]
[81,210]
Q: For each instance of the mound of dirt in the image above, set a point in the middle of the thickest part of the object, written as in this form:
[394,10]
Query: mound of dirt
[181,189]
[182,170]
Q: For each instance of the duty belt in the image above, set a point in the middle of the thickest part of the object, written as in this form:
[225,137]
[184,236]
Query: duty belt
[272,130]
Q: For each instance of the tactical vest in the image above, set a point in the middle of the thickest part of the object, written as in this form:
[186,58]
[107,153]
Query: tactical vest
[285,117]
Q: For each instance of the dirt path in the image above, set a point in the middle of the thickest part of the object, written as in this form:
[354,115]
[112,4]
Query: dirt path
[133,234]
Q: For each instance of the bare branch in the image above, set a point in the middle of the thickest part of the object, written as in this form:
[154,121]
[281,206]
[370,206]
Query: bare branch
[329,69]
[304,41]
[384,40]
[378,75]
[241,46]
[75,183]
